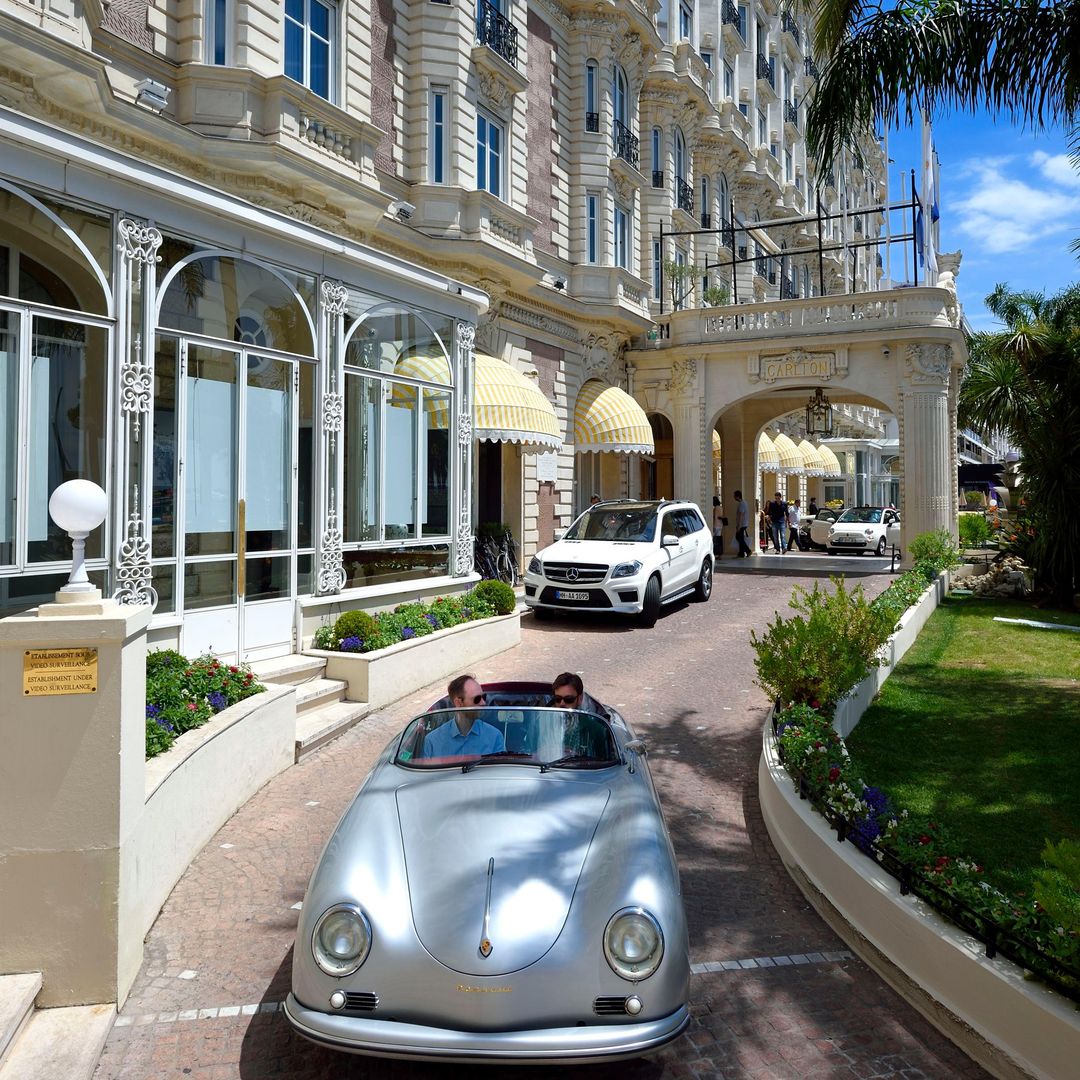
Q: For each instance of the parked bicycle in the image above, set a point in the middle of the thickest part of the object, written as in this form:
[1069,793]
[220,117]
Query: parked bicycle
[497,559]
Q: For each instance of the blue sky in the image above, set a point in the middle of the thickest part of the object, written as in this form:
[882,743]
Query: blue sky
[1009,199]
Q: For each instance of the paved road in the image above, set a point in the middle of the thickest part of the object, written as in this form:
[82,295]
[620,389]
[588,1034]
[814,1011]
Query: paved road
[788,1000]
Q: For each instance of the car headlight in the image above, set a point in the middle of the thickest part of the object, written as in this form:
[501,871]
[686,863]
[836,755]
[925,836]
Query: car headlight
[626,569]
[869,533]
[341,940]
[535,566]
[633,944]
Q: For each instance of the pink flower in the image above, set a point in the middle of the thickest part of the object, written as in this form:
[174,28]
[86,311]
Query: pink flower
[192,706]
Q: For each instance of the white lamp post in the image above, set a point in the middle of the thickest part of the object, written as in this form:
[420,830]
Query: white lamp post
[78,507]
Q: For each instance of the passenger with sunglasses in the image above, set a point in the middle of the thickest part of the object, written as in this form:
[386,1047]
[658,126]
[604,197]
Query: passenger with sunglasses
[568,692]
[466,735]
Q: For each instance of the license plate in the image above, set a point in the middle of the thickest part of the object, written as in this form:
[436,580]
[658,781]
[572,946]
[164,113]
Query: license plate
[563,594]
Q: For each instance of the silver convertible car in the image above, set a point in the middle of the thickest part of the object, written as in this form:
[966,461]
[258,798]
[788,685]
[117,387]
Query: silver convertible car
[522,906]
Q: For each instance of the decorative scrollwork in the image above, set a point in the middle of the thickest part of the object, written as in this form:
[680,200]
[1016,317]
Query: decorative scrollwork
[138,243]
[333,414]
[463,553]
[929,364]
[136,386]
[466,335]
[334,297]
[331,568]
[464,429]
[134,574]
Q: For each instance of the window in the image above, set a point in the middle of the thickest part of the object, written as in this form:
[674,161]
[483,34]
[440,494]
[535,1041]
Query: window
[744,22]
[437,129]
[217,32]
[309,37]
[744,109]
[592,96]
[706,56]
[680,262]
[680,155]
[620,97]
[686,20]
[658,156]
[592,243]
[622,237]
[762,127]
[729,80]
[725,204]
[789,168]
[657,268]
[489,151]
[703,206]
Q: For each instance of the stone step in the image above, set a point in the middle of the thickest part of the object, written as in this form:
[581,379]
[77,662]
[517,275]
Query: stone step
[60,1043]
[17,993]
[317,693]
[315,729]
[289,669]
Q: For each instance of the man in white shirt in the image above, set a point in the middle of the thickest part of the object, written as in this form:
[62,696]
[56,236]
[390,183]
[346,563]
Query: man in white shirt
[742,524]
[793,515]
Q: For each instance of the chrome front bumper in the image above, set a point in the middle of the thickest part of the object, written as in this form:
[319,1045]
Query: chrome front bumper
[570,1045]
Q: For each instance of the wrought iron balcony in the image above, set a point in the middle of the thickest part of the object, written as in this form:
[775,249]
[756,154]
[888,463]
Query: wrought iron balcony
[497,32]
[684,195]
[729,14]
[766,69]
[810,67]
[830,179]
[789,289]
[791,114]
[658,178]
[706,221]
[789,26]
[625,144]
[727,236]
[592,121]
[759,266]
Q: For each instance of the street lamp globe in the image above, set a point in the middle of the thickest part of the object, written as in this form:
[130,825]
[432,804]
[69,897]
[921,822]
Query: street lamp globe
[78,507]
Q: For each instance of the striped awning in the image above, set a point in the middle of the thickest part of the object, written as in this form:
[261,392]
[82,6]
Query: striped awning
[829,462]
[510,407]
[812,463]
[791,461]
[609,419]
[767,458]
[715,445]
[434,369]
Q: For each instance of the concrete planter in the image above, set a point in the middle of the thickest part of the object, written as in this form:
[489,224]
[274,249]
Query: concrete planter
[1011,1026]
[850,709]
[385,675]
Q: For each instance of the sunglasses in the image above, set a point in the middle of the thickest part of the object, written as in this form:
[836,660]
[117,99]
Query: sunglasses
[567,700]
[479,697]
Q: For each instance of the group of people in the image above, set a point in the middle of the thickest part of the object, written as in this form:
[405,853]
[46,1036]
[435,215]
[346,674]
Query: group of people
[470,736]
[779,523]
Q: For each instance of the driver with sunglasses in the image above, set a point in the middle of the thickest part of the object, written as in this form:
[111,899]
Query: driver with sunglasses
[466,735]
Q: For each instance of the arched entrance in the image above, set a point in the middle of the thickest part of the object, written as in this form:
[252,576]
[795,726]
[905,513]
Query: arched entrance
[658,473]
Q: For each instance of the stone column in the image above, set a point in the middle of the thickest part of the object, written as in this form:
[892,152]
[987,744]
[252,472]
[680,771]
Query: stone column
[72,788]
[693,455]
[738,469]
[929,482]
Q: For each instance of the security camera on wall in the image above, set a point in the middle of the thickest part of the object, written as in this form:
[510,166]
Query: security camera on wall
[401,209]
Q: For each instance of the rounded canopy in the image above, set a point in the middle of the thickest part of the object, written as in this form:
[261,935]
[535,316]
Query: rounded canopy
[609,419]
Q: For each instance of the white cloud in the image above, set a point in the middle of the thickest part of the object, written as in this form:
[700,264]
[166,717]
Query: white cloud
[1004,211]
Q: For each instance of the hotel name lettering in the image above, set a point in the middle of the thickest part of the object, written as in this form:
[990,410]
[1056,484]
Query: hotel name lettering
[49,672]
[796,367]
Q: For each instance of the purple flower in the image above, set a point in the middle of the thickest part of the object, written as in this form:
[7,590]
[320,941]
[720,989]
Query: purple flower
[165,726]
[433,620]
[407,632]
[351,644]
[217,700]
[151,711]
[877,800]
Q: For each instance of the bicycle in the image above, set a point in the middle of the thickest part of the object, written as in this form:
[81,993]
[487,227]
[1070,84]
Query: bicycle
[483,563]
[510,549]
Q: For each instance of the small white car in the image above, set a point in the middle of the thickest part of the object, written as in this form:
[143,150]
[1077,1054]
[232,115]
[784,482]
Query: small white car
[865,528]
[815,530]
[625,556]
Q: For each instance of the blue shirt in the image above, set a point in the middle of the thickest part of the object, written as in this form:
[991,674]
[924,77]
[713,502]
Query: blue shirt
[447,740]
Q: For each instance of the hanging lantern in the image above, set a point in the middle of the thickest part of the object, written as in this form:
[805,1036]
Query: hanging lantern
[819,414]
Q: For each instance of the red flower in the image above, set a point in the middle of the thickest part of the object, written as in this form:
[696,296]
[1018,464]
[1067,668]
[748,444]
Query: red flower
[818,744]
[234,670]
[189,672]
[814,703]
[192,706]
[834,775]
[924,839]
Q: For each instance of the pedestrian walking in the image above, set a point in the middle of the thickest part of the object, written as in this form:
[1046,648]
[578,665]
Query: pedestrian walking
[793,516]
[776,510]
[719,523]
[813,507]
[742,525]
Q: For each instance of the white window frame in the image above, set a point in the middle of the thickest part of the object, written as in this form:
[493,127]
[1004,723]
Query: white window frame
[657,268]
[686,20]
[592,226]
[621,222]
[331,46]
[729,81]
[217,22]
[592,86]
[438,134]
[486,122]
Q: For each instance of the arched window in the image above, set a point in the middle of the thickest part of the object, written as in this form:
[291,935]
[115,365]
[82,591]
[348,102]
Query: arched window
[680,155]
[657,158]
[703,206]
[592,96]
[620,97]
[725,199]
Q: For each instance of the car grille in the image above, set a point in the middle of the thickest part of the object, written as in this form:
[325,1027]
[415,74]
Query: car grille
[858,540]
[361,1001]
[597,598]
[609,1006]
[588,573]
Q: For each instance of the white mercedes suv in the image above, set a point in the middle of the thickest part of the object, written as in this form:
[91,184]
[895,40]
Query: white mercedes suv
[624,556]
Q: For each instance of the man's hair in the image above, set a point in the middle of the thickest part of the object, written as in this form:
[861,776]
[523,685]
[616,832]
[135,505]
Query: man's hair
[716,500]
[457,686]
[568,678]
[738,494]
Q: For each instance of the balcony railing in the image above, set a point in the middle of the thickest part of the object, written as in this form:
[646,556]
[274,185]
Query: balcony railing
[810,67]
[766,69]
[727,236]
[759,266]
[706,221]
[658,178]
[791,114]
[592,121]
[789,26]
[497,32]
[684,195]
[729,15]
[625,144]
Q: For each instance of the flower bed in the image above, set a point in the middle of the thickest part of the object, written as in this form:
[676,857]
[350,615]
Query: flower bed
[182,694]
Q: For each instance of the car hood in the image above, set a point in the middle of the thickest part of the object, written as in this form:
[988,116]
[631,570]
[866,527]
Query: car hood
[532,832]
[596,551]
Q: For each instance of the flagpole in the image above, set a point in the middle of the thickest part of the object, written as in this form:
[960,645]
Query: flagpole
[888,215]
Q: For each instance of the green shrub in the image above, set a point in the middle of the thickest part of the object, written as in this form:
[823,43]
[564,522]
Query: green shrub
[163,660]
[936,549]
[974,498]
[1057,886]
[359,624]
[825,649]
[498,594]
[974,530]
[495,529]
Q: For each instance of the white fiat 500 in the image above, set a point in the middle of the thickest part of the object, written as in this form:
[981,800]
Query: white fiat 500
[865,528]
[625,556]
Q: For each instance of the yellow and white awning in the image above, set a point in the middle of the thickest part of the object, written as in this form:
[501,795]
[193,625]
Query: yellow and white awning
[829,462]
[715,445]
[510,407]
[791,460]
[609,419]
[768,460]
[812,463]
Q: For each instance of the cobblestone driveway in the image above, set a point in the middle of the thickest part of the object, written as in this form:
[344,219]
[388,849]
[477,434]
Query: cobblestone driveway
[774,994]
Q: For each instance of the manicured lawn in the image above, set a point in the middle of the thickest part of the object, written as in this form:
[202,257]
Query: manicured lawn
[979,727]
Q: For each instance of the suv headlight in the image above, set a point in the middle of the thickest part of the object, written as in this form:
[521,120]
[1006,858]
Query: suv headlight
[341,940]
[633,944]
[535,566]
[626,569]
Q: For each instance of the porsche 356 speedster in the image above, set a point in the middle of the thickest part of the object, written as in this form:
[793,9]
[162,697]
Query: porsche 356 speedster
[523,905]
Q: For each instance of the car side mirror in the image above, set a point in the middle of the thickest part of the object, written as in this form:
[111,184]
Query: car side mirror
[669,540]
[637,746]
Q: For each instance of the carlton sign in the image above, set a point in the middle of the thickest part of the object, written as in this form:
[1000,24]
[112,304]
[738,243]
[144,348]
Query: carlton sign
[797,364]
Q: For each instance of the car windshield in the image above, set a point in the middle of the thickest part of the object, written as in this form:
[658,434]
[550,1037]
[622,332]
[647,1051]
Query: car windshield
[864,515]
[543,737]
[633,524]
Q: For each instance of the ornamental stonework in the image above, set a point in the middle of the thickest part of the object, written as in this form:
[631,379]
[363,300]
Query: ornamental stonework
[928,365]
[683,379]
[796,364]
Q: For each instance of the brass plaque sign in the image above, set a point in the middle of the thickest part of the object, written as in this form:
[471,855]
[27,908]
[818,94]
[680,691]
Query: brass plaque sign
[48,672]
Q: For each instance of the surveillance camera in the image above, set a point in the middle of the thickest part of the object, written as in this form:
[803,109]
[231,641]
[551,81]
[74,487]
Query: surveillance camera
[402,210]
[152,94]
[559,283]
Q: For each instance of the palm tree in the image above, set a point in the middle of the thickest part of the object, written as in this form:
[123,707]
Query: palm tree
[1024,381]
[880,66]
